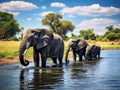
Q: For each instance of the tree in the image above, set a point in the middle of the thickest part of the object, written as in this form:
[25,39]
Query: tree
[87,34]
[74,36]
[56,25]
[112,36]
[8,26]
[112,33]
[64,27]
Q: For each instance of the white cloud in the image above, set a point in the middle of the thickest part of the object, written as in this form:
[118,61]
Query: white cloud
[71,16]
[45,13]
[16,5]
[43,7]
[98,24]
[93,10]
[57,4]
[14,13]
[39,19]
[29,19]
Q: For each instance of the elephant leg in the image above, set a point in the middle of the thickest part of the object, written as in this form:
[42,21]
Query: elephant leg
[80,57]
[98,55]
[90,56]
[54,60]
[74,56]
[60,61]
[43,58]
[36,58]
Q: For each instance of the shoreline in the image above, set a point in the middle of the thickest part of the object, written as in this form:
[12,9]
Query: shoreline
[7,61]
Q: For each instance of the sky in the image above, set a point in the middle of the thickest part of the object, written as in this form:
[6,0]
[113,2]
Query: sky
[84,14]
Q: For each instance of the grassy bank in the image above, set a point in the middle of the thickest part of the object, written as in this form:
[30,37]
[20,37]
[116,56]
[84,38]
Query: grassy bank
[7,48]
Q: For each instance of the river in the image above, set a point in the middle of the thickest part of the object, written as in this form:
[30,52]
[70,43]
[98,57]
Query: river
[103,74]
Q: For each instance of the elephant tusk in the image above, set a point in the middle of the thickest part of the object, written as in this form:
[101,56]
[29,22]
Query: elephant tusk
[16,51]
[25,51]
[70,49]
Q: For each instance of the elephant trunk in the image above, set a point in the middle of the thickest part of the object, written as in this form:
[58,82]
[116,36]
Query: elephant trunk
[22,51]
[66,56]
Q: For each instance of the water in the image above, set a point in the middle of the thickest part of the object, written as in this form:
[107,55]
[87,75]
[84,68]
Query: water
[103,74]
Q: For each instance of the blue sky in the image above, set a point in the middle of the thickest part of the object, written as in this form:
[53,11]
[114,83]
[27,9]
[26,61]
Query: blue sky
[84,14]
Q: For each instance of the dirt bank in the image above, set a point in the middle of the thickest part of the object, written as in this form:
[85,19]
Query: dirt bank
[6,61]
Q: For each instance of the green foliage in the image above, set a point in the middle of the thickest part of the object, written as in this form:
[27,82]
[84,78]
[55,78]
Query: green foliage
[74,36]
[8,25]
[52,20]
[56,25]
[64,27]
[87,34]
[112,36]
[112,33]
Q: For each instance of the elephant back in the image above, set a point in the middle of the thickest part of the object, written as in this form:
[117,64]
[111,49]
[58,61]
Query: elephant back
[81,44]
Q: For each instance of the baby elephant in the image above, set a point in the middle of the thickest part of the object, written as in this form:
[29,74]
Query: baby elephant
[92,52]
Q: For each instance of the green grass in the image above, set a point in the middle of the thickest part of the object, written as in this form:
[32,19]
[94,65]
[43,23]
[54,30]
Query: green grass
[7,48]
[107,45]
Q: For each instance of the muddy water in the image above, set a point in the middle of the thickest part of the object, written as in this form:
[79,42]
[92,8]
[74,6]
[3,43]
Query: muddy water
[103,74]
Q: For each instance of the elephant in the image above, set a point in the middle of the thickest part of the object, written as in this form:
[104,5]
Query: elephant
[78,46]
[92,52]
[96,52]
[89,52]
[49,45]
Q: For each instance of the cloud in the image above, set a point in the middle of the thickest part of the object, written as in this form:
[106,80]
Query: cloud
[98,24]
[57,4]
[71,16]
[43,7]
[45,13]
[14,13]
[29,19]
[39,19]
[93,10]
[16,5]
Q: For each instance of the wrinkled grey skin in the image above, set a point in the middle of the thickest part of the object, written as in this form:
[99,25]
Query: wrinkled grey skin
[92,52]
[89,52]
[78,46]
[96,52]
[43,42]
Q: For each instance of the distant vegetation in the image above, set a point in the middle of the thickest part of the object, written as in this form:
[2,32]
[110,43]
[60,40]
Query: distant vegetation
[112,34]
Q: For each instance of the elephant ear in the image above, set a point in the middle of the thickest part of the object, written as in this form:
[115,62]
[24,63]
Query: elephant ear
[80,44]
[44,41]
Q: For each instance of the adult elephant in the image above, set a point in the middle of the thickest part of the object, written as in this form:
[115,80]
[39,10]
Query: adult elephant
[43,42]
[78,46]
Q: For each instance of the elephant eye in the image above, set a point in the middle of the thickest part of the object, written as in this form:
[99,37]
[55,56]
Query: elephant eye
[46,39]
[35,36]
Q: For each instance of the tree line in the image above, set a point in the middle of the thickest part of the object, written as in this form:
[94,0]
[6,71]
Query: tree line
[9,27]
[112,34]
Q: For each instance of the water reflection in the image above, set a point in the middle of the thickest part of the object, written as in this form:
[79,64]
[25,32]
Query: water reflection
[103,74]
[41,78]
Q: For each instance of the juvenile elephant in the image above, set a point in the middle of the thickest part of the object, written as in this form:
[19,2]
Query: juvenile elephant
[89,52]
[96,51]
[92,52]
[78,46]
[43,42]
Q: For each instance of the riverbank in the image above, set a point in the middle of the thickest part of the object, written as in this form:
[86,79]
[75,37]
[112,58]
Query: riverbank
[8,49]
[7,61]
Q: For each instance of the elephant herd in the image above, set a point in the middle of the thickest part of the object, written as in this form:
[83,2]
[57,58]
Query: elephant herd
[51,45]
